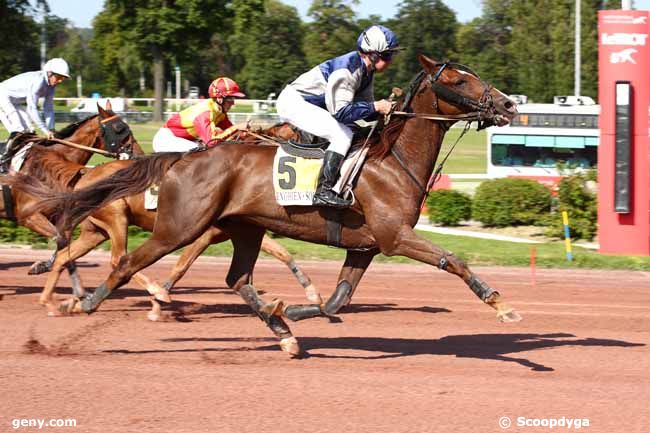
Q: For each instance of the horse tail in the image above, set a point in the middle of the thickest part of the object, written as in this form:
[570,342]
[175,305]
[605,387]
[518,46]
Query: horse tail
[71,208]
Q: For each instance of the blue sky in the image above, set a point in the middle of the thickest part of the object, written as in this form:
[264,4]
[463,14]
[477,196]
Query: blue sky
[82,16]
[465,9]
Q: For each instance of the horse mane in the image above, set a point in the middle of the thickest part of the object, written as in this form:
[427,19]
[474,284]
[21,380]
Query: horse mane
[53,169]
[67,131]
[380,146]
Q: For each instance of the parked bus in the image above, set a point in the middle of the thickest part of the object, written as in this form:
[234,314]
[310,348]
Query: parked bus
[541,136]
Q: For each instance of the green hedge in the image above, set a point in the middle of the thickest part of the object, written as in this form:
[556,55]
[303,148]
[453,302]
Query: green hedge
[576,196]
[448,207]
[511,202]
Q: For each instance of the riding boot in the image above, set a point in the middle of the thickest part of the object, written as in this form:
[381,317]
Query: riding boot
[324,195]
[10,151]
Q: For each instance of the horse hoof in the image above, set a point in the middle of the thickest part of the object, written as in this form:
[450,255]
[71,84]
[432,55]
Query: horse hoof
[70,306]
[154,315]
[311,292]
[38,268]
[160,294]
[290,345]
[274,308]
[509,317]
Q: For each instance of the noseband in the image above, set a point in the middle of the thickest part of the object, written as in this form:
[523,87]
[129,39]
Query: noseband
[114,132]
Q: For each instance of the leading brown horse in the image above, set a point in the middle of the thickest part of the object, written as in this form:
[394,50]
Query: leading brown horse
[232,188]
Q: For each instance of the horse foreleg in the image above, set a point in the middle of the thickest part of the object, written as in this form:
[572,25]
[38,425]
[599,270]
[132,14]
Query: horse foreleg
[246,241]
[114,221]
[273,248]
[409,244]
[169,235]
[213,235]
[88,239]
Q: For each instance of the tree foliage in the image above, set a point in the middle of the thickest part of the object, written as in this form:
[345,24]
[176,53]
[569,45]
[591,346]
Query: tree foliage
[520,46]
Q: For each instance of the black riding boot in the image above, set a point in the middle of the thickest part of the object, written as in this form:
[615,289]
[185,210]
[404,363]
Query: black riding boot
[10,151]
[324,195]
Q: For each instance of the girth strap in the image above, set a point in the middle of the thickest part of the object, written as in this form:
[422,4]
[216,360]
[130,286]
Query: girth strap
[8,202]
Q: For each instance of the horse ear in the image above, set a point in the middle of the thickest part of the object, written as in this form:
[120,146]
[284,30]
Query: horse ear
[101,111]
[109,107]
[428,64]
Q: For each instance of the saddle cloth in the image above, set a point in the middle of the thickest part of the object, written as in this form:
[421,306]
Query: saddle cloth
[151,197]
[295,178]
[19,158]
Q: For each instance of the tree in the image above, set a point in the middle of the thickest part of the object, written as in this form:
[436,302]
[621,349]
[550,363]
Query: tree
[483,44]
[267,37]
[159,31]
[20,38]
[423,27]
[333,31]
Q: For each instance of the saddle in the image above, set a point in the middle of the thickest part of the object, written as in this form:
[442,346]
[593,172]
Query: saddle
[311,146]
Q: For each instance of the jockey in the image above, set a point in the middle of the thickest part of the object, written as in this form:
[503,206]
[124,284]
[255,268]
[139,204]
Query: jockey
[26,88]
[206,121]
[336,93]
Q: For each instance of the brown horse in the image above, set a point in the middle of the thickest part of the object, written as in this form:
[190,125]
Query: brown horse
[64,165]
[111,223]
[198,191]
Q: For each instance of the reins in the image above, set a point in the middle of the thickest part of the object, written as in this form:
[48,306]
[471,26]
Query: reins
[82,147]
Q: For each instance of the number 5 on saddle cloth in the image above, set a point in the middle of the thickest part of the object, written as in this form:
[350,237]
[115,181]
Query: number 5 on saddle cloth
[296,168]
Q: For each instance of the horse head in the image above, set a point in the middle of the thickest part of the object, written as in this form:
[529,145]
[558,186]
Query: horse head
[457,90]
[116,136]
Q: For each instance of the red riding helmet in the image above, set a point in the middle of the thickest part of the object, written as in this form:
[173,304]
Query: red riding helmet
[223,87]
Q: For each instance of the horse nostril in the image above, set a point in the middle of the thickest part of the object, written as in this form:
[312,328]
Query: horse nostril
[508,105]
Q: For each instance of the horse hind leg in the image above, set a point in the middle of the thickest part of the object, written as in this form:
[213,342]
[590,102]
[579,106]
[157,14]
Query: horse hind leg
[356,263]
[246,241]
[273,248]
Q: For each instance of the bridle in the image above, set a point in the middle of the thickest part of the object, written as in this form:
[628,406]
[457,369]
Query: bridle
[114,133]
[482,110]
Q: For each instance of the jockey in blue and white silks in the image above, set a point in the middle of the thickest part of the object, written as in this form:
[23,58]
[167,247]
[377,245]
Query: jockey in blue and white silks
[336,93]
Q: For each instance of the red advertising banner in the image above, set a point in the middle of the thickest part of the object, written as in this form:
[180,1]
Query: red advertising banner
[624,58]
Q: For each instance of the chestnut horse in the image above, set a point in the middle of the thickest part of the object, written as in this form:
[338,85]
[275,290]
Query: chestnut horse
[64,165]
[111,223]
[196,191]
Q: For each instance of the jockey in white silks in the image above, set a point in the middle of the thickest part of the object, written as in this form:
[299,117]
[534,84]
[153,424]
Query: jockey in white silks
[19,102]
[336,93]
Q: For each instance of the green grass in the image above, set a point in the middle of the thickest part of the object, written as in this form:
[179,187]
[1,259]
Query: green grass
[475,252]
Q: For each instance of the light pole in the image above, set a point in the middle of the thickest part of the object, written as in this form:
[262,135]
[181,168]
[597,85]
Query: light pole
[576,80]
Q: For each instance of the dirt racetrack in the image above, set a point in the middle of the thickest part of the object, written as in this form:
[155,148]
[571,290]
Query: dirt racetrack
[416,352]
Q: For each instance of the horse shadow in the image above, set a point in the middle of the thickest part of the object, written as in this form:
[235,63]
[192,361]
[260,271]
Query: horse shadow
[355,308]
[495,347]
[11,265]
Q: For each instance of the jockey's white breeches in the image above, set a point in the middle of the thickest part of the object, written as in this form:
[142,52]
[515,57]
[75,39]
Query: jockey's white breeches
[14,118]
[294,109]
[166,141]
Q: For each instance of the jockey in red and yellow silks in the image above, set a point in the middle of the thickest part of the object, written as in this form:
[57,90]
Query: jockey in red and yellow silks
[206,121]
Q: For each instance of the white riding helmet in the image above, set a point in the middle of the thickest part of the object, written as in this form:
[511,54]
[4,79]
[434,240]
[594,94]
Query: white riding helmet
[57,66]
[377,39]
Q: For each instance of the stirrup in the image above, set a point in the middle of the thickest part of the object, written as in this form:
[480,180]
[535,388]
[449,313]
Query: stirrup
[330,198]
